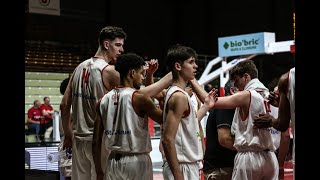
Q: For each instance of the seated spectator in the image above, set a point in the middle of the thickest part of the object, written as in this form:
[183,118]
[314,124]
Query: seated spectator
[47,112]
[34,118]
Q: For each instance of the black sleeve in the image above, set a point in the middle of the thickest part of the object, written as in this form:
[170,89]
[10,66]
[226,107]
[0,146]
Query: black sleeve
[225,117]
[211,120]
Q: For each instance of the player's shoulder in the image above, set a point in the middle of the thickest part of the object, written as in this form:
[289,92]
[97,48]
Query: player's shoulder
[178,97]
[139,95]
[109,69]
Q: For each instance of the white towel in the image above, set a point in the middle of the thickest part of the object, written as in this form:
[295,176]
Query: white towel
[256,85]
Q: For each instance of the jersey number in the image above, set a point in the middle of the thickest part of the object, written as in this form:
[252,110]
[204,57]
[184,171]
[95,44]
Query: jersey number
[267,106]
[85,77]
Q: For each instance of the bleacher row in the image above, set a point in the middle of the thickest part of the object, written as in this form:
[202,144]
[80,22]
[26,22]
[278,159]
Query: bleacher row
[39,85]
[54,57]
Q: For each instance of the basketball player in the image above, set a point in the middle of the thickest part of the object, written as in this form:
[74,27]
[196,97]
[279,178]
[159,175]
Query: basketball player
[89,82]
[255,157]
[196,103]
[181,139]
[123,117]
[286,87]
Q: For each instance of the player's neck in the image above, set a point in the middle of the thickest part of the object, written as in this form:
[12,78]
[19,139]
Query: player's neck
[101,55]
[180,84]
[126,83]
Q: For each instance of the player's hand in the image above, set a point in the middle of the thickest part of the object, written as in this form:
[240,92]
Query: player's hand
[274,98]
[152,66]
[211,98]
[67,142]
[263,121]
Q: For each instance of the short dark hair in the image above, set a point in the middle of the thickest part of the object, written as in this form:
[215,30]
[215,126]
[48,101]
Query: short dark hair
[35,101]
[127,62]
[111,32]
[63,85]
[179,53]
[229,84]
[246,66]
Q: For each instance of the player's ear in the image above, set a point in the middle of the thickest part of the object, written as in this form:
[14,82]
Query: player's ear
[233,90]
[106,44]
[177,66]
[132,73]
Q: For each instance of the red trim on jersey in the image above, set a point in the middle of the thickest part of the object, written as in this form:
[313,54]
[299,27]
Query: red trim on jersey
[187,113]
[102,75]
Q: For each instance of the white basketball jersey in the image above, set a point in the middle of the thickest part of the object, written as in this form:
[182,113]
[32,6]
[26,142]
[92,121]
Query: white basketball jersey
[188,141]
[291,97]
[194,102]
[125,130]
[247,137]
[87,89]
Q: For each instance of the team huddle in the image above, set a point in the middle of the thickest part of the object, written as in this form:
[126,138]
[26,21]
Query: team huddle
[107,126]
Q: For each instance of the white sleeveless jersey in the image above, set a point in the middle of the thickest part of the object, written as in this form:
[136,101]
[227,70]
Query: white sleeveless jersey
[188,140]
[125,130]
[194,102]
[88,88]
[246,137]
[291,97]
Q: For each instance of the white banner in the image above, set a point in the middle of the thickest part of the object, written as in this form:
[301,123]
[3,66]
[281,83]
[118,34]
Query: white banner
[50,7]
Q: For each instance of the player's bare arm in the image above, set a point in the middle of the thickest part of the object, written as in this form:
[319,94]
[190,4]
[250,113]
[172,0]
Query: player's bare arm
[209,102]
[111,78]
[151,68]
[197,88]
[97,141]
[155,88]
[239,99]
[65,108]
[225,139]
[283,121]
[176,107]
[143,105]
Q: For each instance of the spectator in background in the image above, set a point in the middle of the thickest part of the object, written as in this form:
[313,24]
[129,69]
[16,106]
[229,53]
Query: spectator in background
[47,112]
[220,153]
[34,118]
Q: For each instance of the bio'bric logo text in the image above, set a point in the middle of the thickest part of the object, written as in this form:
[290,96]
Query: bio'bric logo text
[244,42]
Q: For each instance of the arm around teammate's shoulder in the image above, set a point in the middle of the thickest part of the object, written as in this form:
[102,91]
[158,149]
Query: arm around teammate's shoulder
[143,105]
